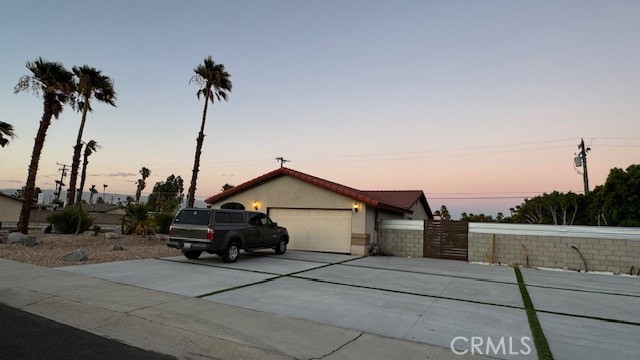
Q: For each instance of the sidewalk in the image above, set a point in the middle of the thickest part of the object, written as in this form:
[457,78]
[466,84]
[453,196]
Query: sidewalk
[185,327]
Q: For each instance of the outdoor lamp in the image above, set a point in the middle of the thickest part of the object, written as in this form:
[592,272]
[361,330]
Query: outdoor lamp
[355,207]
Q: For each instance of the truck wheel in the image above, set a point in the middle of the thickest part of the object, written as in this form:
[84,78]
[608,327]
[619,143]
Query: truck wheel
[192,255]
[231,253]
[282,247]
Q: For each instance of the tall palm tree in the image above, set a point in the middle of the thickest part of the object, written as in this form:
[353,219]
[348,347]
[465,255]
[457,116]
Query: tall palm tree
[141,182]
[214,83]
[56,85]
[91,147]
[91,85]
[92,191]
[6,130]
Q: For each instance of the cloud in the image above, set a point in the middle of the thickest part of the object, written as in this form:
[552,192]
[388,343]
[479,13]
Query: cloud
[13,181]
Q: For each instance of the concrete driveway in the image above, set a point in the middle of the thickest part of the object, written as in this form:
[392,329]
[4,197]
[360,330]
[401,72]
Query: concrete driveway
[422,300]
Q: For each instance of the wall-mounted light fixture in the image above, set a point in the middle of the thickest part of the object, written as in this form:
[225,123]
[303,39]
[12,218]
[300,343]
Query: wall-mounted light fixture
[256,205]
[355,207]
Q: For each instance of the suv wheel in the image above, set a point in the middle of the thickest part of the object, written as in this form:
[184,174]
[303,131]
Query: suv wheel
[231,253]
[282,247]
[192,255]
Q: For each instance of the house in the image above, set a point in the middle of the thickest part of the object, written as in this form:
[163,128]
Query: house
[103,208]
[10,207]
[321,215]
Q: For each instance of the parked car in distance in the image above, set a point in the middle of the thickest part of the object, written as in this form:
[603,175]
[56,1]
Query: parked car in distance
[224,232]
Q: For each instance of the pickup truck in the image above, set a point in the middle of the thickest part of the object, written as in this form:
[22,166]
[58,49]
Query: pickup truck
[224,232]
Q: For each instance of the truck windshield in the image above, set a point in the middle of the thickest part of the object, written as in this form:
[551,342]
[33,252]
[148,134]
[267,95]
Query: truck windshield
[193,217]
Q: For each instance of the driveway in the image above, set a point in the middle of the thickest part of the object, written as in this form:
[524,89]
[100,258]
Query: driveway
[422,300]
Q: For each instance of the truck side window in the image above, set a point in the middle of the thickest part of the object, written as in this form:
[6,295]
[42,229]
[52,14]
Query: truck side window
[255,220]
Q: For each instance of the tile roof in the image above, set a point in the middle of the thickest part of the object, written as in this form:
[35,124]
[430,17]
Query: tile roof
[397,201]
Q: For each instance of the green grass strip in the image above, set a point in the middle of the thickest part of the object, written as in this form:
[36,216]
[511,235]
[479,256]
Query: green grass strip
[540,341]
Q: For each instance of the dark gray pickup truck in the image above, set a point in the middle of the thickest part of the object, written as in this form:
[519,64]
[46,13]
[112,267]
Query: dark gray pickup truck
[224,232]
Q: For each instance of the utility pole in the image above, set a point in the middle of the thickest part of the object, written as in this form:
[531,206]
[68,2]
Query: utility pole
[60,184]
[282,161]
[583,156]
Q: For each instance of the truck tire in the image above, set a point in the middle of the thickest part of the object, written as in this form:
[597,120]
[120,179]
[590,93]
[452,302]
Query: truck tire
[231,253]
[282,247]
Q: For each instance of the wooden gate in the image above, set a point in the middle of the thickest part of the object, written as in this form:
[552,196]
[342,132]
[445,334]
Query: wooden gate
[446,239]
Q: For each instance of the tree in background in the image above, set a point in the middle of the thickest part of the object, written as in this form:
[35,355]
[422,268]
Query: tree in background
[617,202]
[167,196]
[141,183]
[226,187]
[91,147]
[56,85]
[214,83]
[91,85]
[6,130]
[92,192]
[444,212]
[20,194]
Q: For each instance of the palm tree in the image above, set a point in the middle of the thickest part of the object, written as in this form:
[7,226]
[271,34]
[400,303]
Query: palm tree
[141,182]
[91,147]
[92,191]
[91,84]
[6,130]
[56,85]
[214,83]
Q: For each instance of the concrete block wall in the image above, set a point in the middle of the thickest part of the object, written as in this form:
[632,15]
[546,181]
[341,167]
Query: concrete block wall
[605,249]
[401,237]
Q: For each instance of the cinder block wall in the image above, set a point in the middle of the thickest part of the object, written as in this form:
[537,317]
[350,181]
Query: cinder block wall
[401,237]
[602,253]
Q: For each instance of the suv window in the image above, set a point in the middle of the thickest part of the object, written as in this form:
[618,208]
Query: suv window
[193,217]
[222,217]
[257,219]
[236,218]
[260,220]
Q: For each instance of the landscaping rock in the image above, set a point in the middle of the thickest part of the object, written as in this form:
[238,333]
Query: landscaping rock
[76,255]
[30,241]
[48,229]
[111,236]
[117,248]
[18,238]
[89,233]
[163,237]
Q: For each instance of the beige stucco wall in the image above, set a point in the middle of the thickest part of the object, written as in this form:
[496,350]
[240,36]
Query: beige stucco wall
[419,212]
[289,192]
[9,209]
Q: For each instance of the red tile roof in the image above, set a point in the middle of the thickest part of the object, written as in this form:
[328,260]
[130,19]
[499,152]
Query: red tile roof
[397,201]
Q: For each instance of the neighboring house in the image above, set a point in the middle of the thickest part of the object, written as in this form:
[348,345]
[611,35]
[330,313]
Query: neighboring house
[103,208]
[322,215]
[10,207]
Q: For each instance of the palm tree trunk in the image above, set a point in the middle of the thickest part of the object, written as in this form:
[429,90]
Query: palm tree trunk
[25,212]
[76,157]
[196,164]
[83,177]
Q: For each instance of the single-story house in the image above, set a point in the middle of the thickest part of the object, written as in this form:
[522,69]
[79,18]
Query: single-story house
[321,215]
[103,208]
[10,207]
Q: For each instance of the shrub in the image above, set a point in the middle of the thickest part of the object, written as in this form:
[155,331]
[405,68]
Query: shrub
[66,221]
[137,220]
[163,220]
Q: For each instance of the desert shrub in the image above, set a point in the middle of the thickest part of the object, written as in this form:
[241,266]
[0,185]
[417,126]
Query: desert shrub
[137,220]
[66,221]
[163,221]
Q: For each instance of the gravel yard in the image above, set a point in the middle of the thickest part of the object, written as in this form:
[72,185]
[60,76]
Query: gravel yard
[52,247]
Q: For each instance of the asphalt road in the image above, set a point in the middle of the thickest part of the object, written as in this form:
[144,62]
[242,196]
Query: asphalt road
[27,336]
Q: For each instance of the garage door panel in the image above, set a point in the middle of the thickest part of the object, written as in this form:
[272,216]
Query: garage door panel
[316,230]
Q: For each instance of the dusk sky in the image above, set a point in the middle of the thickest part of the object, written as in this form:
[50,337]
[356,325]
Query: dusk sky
[480,100]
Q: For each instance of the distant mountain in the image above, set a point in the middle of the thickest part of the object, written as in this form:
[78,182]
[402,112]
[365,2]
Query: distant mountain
[112,198]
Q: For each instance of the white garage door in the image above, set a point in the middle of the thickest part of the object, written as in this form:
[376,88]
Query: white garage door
[316,230]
